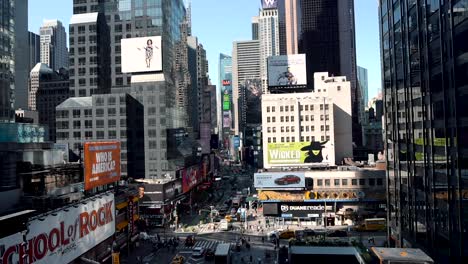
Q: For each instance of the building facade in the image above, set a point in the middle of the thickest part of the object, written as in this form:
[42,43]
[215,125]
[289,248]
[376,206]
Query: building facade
[269,41]
[225,105]
[424,63]
[112,117]
[34,41]
[54,52]
[255,28]
[363,85]
[21,54]
[7,69]
[48,89]
[320,116]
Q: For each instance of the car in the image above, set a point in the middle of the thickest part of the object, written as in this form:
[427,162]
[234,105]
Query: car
[287,234]
[190,241]
[338,233]
[288,179]
[198,252]
[209,254]
[178,259]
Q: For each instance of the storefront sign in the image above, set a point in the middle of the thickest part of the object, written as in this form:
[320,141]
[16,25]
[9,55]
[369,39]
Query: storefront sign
[62,236]
[296,209]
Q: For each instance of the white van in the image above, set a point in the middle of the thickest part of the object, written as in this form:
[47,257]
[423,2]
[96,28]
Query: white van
[224,225]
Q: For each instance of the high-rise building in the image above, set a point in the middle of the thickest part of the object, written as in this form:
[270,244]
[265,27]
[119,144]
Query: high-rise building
[34,42]
[424,66]
[47,90]
[225,102]
[363,86]
[289,26]
[89,55]
[54,51]
[21,54]
[255,28]
[327,37]
[269,40]
[245,71]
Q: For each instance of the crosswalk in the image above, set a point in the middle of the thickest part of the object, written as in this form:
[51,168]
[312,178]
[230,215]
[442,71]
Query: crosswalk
[208,244]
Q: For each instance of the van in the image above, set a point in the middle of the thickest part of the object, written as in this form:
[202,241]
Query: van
[224,225]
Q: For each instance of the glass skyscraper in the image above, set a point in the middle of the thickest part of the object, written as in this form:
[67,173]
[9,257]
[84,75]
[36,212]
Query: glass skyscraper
[425,63]
[7,61]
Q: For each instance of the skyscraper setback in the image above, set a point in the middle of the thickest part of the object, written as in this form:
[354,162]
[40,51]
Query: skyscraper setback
[54,51]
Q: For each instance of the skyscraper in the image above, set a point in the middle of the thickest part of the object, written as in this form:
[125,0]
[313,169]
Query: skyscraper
[424,68]
[327,37]
[362,82]
[34,41]
[21,54]
[7,69]
[269,40]
[255,28]
[54,51]
[289,26]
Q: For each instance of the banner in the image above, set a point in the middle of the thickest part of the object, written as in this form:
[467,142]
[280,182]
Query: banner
[141,54]
[300,153]
[63,236]
[191,177]
[279,180]
[101,163]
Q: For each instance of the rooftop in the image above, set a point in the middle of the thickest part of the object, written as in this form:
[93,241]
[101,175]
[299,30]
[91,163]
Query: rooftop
[402,255]
[76,102]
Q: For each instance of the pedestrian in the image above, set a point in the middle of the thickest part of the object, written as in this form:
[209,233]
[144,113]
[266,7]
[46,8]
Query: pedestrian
[251,258]
[263,239]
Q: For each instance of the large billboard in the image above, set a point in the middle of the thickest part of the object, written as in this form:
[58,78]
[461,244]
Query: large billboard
[299,153]
[226,119]
[141,54]
[252,102]
[287,72]
[64,235]
[279,180]
[269,4]
[102,163]
[191,177]
[226,101]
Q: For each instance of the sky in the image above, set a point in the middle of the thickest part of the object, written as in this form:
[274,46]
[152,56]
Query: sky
[217,23]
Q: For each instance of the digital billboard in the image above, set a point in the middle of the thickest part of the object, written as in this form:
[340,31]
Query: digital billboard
[279,180]
[102,163]
[269,4]
[226,119]
[226,102]
[191,177]
[63,236]
[141,54]
[252,88]
[226,82]
[287,72]
[299,153]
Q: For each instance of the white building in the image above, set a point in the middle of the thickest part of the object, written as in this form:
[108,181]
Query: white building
[54,51]
[322,116]
[268,32]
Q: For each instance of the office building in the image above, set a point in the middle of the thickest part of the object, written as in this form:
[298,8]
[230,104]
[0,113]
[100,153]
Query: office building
[245,72]
[363,86]
[7,69]
[89,55]
[21,54]
[48,89]
[34,41]
[255,28]
[327,37]
[111,117]
[322,116]
[289,21]
[54,51]
[424,62]
[269,41]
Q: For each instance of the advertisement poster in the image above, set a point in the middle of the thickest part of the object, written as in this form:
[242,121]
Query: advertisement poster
[226,119]
[287,71]
[226,101]
[191,177]
[269,4]
[63,236]
[275,180]
[102,163]
[300,153]
[141,54]
[253,91]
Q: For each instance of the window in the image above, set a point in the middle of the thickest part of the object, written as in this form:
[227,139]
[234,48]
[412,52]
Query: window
[327,182]
[319,182]
[274,129]
[76,113]
[273,119]
[380,182]
[282,129]
[268,119]
[311,108]
[88,113]
[292,108]
[372,182]
[287,139]
[269,129]
[99,112]
[344,182]
[100,134]
[281,108]
[123,133]
[111,101]
[111,111]
[307,107]
[292,129]
[88,123]
[306,118]
[99,123]
[274,140]
[293,139]
[337,182]
[354,182]
[307,128]
[268,109]
[292,118]
[112,134]
[282,119]
[77,135]
[112,123]
[77,124]
[269,140]
[362,182]
[88,134]
[312,128]
[287,129]
[327,127]
[286,108]
[282,139]
[326,107]
[302,128]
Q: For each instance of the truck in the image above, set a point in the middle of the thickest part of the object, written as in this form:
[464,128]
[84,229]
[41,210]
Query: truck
[223,254]
[224,225]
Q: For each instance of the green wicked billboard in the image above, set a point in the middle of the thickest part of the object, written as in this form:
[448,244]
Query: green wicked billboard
[297,153]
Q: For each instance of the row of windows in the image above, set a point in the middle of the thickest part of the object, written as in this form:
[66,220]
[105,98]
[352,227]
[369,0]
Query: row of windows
[272,119]
[354,182]
[99,112]
[290,108]
[111,134]
[293,139]
[82,50]
[77,124]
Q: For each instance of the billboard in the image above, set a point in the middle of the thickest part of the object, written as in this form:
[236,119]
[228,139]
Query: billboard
[269,4]
[191,177]
[279,180]
[226,101]
[226,119]
[299,153]
[287,72]
[226,82]
[141,54]
[102,163]
[23,133]
[252,88]
[64,235]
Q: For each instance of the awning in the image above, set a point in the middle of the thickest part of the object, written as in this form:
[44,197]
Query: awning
[121,205]
[121,225]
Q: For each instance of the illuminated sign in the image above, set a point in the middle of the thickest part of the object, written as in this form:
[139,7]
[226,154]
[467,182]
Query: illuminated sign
[226,102]
[226,82]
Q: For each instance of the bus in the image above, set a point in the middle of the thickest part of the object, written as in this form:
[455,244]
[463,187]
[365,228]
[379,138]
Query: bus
[223,254]
[373,224]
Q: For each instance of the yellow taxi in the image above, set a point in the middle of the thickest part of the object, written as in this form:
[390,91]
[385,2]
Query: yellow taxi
[178,259]
[228,218]
[287,234]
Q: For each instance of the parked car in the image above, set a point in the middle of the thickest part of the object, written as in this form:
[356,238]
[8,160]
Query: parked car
[288,179]
[209,254]
[178,259]
[338,233]
[190,241]
[198,252]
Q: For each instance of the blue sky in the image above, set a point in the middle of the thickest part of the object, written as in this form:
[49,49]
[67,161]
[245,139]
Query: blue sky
[217,23]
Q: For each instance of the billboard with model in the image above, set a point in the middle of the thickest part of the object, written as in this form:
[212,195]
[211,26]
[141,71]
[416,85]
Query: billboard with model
[101,163]
[141,54]
[191,177]
[252,89]
[300,153]
[275,180]
[287,72]
[64,235]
